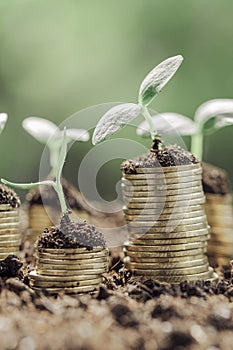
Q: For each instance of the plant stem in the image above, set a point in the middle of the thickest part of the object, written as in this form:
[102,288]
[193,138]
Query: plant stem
[58,188]
[197,144]
[149,120]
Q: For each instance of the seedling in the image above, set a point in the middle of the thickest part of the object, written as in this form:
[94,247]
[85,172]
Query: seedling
[3,120]
[48,133]
[209,117]
[118,116]
[56,184]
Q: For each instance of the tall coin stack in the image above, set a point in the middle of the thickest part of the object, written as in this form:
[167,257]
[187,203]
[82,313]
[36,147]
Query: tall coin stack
[220,218]
[168,230]
[69,270]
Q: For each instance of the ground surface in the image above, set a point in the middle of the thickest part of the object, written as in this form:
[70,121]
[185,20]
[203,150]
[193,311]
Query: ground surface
[125,313]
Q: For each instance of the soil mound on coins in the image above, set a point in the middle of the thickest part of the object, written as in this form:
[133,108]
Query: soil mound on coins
[8,196]
[215,180]
[47,196]
[71,234]
[10,267]
[168,156]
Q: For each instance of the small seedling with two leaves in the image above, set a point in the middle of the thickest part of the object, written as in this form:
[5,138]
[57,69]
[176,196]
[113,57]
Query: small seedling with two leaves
[49,134]
[118,116]
[209,117]
[56,183]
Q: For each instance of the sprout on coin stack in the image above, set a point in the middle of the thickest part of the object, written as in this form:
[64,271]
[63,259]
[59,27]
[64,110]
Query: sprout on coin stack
[42,203]
[9,217]
[72,256]
[167,226]
[209,117]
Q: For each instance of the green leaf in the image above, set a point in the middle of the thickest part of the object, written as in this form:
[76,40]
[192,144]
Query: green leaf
[115,119]
[168,123]
[3,120]
[214,114]
[41,129]
[157,79]
[74,135]
[27,186]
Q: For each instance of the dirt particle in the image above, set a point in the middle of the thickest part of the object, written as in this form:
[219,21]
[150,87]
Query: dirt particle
[8,196]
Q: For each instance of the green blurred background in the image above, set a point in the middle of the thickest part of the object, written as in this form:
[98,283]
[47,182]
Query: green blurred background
[60,56]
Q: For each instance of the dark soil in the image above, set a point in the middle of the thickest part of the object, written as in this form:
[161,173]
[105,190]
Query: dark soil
[215,180]
[8,196]
[10,267]
[47,196]
[126,313]
[168,156]
[71,234]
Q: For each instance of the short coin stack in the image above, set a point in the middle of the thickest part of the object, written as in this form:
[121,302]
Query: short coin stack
[220,218]
[168,230]
[39,217]
[69,270]
[9,231]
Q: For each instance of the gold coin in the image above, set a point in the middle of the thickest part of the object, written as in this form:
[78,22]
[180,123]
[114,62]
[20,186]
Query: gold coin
[3,255]
[168,169]
[6,207]
[66,273]
[156,265]
[166,223]
[170,236]
[165,217]
[36,276]
[144,179]
[166,260]
[172,272]
[179,278]
[71,263]
[68,290]
[221,239]
[59,284]
[156,205]
[165,254]
[71,251]
[14,243]
[165,241]
[221,249]
[220,199]
[9,226]
[166,230]
[151,191]
[144,196]
[75,267]
[221,223]
[11,237]
[162,211]
[192,175]
[159,184]
[5,232]
[9,214]
[169,247]
[221,231]
[73,257]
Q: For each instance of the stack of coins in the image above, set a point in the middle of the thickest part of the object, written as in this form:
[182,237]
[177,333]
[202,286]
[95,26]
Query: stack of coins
[10,239]
[39,218]
[168,230]
[69,270]
[220,218]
